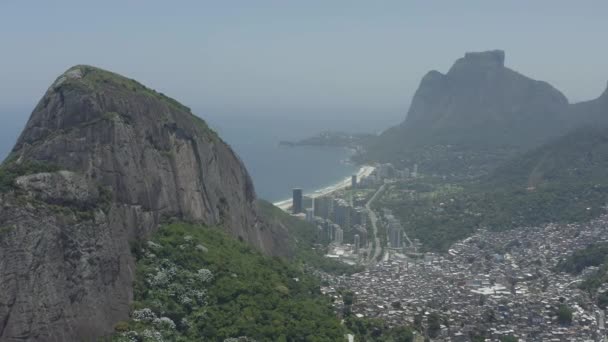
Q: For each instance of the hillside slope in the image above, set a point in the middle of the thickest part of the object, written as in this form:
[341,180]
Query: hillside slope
[579,156]
[565,180]
[197,284]
[102,162]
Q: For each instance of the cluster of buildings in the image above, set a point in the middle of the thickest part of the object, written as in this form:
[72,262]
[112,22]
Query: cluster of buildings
[492,284]
[386,171]
[341,220]
[394,230]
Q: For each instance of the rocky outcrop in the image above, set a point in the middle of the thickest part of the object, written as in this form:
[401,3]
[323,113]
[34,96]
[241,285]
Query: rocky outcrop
[480,101]
[129,158]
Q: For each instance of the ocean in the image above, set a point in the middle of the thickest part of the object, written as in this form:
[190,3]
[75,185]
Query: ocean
[275,169]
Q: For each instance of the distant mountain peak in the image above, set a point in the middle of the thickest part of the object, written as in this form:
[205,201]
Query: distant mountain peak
[480,60]
[479,104]
[496,57]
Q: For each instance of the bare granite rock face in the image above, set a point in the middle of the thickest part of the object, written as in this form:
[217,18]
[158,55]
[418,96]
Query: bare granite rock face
[480,101]
[59,187]
[129,157]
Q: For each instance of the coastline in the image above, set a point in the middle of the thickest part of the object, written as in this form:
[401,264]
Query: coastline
[364,171]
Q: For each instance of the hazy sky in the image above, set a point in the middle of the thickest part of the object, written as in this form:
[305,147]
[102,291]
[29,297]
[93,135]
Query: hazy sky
[295,57]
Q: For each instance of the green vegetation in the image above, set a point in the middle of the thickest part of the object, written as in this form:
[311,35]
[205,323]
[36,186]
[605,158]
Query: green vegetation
[334,139]
[564,181]
[195,283]
[366,329]
[454,161]
[434,322]
[602,300]
[439,218]
[93,78]
[5,229]
[594,255]
[10,170]
[564,314]
[304,236]
[509,338]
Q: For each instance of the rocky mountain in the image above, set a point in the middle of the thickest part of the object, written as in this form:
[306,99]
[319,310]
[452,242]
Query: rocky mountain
[479,100]
[479,114]
[101,163]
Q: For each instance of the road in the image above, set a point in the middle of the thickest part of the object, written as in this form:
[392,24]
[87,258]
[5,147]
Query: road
[374,219]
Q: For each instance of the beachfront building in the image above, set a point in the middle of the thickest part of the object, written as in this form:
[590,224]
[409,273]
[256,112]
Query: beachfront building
[307,202]
[323,207]
[309,215]
[342,213]
[296,206]
[353,181]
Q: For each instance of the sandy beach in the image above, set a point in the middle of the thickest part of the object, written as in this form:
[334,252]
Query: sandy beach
[364,171]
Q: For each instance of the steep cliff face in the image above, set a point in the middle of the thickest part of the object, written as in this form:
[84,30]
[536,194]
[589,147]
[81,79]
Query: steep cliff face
[118,159]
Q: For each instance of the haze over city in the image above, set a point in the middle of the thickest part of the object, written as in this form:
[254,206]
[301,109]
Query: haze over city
[296,58]
[294,171]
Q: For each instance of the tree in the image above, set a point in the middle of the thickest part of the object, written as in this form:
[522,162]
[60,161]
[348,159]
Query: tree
[402,334]
[418,321]
[434,324]
[564,314]
[509,338]
[348,297]
[602,300]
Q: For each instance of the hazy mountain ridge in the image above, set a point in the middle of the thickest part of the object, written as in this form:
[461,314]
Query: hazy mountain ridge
[103,161]
[480,105]
[579,156]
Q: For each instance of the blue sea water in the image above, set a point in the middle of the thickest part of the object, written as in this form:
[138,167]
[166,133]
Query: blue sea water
[275,169]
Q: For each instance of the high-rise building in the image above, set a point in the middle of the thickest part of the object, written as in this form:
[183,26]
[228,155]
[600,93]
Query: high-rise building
[309,215]
[358,216]
[307,202]
[353,181]
[323,207]
[297,201]
[342,213]
[329,230]
[357,243]
[395,231]
[415,171]
[362,232]
[395,237]
[339,238]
